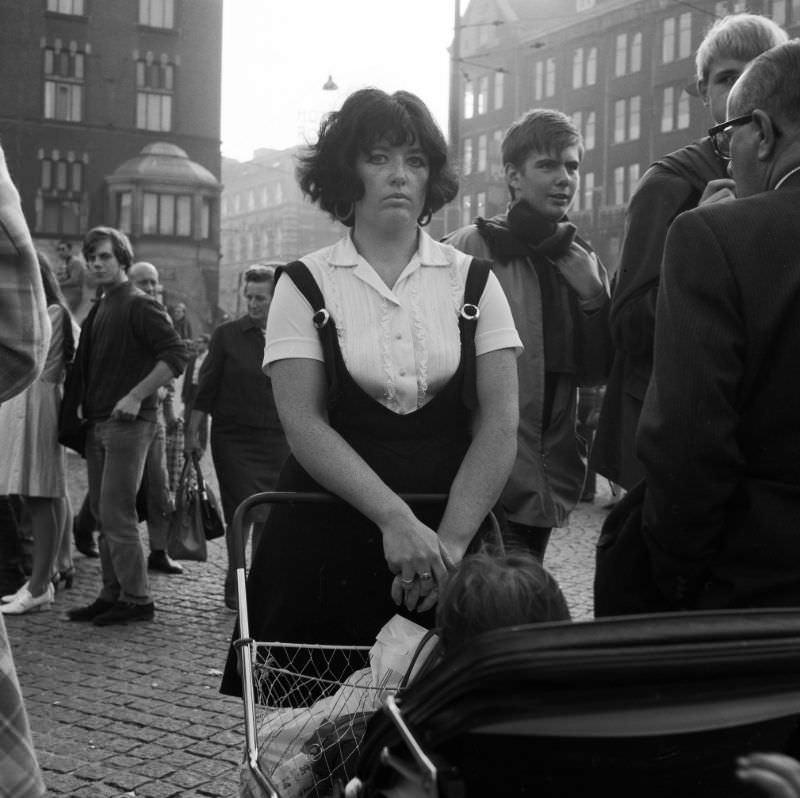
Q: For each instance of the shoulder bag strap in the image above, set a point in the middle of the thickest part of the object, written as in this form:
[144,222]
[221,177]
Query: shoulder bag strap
[326,328]
[474,287]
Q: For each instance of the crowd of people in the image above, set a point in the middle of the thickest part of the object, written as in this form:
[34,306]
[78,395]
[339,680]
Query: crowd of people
[390,364]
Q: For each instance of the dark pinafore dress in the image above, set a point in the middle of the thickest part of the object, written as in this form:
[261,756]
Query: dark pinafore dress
[319,575]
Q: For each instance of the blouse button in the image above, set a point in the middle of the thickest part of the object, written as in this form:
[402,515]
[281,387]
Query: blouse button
[398,336]
[402,372]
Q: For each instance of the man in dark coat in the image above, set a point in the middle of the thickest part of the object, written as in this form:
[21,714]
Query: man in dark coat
[673,184]
[720,434]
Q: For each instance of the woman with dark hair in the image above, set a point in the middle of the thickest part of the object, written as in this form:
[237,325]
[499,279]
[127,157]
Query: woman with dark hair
[33,465]
[392,359]
[247,441]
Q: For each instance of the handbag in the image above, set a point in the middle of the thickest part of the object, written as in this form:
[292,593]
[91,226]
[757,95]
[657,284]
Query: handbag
[186,539]
[213,526]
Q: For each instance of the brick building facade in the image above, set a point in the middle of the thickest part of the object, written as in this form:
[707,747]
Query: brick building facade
[620,68]
[87,86]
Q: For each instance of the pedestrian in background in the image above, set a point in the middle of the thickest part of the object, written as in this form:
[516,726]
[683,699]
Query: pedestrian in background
[247,441]
[128,350]
[33,465]
[558,291]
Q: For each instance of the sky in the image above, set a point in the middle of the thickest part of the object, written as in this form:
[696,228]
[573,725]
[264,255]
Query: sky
[278,53]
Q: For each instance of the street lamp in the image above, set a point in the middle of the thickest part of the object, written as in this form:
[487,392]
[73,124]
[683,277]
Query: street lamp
[329,84]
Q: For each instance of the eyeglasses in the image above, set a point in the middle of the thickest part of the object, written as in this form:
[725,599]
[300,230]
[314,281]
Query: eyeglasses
[720,135]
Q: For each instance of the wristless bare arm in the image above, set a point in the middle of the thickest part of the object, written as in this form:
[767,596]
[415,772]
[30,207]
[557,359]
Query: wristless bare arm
[490,457]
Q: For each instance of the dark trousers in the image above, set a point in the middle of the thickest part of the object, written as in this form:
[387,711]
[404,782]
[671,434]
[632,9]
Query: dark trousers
[521,537]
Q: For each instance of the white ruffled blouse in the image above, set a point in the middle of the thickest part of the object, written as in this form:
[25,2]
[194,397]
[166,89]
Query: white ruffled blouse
[400,344]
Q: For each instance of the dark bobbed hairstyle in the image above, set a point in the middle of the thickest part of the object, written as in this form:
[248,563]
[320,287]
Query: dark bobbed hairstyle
[772,83]
[492,590]
[327,171]
[54,296]
[120,245]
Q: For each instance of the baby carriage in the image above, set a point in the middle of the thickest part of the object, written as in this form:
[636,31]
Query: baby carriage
[656,705]
[306,706]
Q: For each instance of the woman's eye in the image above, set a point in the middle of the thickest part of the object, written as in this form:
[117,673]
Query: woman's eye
[376,157]
[418,162]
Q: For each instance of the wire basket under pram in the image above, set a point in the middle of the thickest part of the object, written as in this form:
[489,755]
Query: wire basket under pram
[305,706]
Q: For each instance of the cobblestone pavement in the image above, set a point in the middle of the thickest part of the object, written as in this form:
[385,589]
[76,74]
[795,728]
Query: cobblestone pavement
[134,710]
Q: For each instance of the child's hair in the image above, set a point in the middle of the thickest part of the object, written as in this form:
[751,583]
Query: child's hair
[489,591]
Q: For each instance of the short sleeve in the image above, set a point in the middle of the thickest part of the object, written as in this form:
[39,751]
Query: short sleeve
[290,330]
[495,328]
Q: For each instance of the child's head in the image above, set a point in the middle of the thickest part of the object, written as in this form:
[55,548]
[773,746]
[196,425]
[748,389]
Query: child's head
[490,591]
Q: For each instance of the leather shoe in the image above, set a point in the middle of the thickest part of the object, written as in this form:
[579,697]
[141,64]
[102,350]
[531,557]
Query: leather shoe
[161,561]
[97,607]
[125,611]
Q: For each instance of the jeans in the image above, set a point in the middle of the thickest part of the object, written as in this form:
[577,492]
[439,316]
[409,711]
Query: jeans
[116,452]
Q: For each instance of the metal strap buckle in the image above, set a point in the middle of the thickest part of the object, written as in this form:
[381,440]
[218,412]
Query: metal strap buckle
[321,318]
[470,312]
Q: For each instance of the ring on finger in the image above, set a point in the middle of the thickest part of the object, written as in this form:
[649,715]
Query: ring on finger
[426,576]
[407,582]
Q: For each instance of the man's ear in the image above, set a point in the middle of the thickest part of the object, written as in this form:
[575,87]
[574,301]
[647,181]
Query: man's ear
[512,176]
[767,133]
[699,89]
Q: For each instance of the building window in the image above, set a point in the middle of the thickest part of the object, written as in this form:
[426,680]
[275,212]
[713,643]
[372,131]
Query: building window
[155,81]
[466,210]
[63,84]
[621,54]
[278,193]
[499,85]
[482,143]
[591,67]
[739,6]
[619,185]
[684,116]
[167,214]
[685,35]
[205,221]
[619,121]
[720,9]
[577,120]
[588,191]
[590,134]
[480,204]
[668,109]
[59,200]
[157,13]
[466,161]
[634,118]
[633,178]
[636,52]
[795,12]
[576,201]
[577,68]
[124,218]
[483,94]
[538,80]
[550,77]
[668,41]
[779,12]
[469,100]
[74,7]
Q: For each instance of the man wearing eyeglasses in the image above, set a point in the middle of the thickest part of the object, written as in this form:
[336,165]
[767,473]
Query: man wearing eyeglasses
[720,434]
[675,183]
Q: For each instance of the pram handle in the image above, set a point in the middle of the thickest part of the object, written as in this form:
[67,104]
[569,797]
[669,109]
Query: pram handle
[299,497]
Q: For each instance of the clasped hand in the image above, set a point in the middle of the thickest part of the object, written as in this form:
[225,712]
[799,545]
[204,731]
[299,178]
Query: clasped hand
[126,409]
[420,563]
[580,269]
